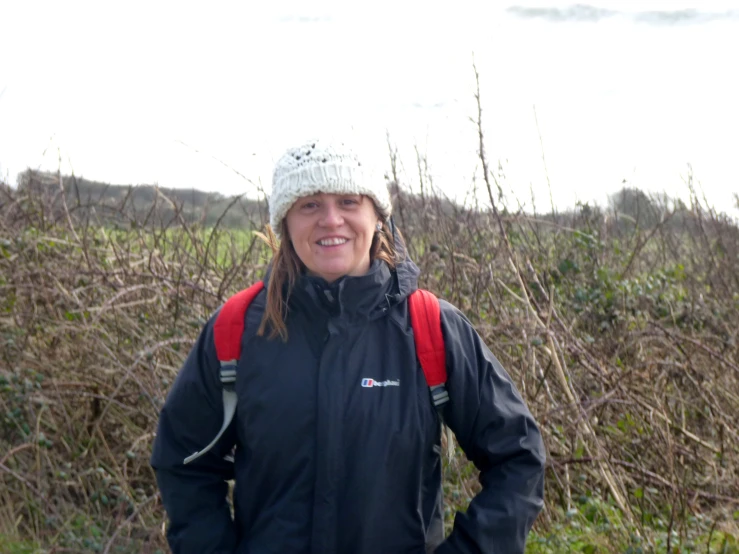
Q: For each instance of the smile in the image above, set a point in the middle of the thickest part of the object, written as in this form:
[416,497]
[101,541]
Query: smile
[336,241]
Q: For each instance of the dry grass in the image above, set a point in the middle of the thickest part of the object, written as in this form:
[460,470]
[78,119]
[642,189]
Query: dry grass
[620,335]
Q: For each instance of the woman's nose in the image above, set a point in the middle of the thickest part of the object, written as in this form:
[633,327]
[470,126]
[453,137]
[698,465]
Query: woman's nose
[331,216]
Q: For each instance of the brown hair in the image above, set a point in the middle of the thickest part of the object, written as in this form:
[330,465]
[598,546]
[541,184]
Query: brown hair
[287,268]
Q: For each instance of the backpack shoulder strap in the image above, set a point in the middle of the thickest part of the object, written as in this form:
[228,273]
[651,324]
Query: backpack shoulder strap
[227,332]
[229,326]
[425,315]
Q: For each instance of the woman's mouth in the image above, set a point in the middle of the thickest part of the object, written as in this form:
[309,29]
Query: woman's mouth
[333,241]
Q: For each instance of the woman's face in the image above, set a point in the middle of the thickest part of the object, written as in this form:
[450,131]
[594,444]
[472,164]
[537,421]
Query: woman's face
[332,233]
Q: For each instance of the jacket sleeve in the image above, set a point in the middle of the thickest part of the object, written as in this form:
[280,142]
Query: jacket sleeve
[499,435]
[195,495]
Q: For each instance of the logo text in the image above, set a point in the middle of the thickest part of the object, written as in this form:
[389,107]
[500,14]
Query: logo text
[368,383]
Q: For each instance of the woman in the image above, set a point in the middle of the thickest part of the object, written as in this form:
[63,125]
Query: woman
[324,465]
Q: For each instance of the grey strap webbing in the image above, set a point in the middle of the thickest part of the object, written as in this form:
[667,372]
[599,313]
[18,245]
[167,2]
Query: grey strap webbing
[228,378]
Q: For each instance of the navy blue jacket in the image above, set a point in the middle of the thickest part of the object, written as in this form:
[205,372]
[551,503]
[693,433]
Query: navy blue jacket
[324,465]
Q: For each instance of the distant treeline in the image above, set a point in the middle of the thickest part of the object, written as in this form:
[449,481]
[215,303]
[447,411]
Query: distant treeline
[152,205]
[143,204]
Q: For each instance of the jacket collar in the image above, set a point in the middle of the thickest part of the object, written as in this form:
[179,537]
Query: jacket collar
[364,296]
[349,296]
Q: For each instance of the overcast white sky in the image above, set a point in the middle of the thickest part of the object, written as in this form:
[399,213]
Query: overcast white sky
[621,92]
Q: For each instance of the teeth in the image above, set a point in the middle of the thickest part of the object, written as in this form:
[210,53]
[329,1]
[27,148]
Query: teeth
[332,242]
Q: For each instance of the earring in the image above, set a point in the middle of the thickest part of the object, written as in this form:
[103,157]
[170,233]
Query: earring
[378,226]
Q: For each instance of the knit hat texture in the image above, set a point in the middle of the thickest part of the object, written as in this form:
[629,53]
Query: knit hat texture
[319,166]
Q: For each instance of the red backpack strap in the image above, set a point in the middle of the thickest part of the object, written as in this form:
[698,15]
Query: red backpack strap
[227,332]
[229,326]
[425,316]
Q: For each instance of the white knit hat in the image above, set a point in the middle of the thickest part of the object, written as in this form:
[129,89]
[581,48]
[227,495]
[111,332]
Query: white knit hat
[318,166]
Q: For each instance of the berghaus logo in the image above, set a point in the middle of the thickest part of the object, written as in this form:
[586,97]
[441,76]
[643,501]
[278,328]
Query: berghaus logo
[369,383]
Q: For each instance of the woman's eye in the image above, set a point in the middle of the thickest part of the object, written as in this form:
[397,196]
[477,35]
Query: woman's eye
[350,201]
[310,205]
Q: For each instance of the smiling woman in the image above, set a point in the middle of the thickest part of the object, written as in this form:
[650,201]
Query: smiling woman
[332,233]
[331,390]
[322,192]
